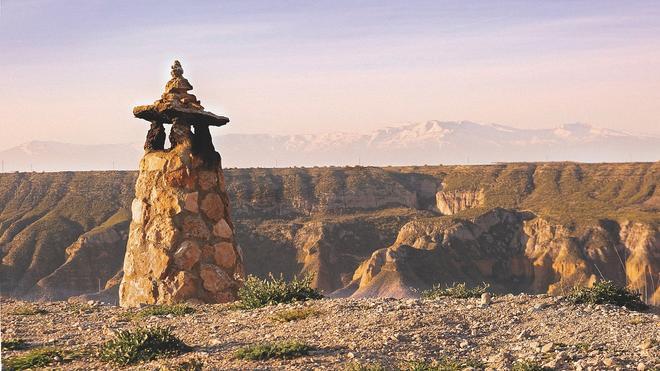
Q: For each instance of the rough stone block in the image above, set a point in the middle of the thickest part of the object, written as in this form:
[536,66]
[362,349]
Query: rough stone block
[214,278]
[207,179]
[191,202]
[222,229]
[187,255]
[224,254]
[213,207]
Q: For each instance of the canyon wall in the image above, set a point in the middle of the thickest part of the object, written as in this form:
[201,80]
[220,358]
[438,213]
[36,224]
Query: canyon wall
[536,227]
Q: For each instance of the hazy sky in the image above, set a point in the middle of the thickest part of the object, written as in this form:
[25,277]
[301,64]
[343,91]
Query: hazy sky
[73,69]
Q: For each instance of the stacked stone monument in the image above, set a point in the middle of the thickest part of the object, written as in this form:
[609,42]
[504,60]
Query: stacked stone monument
[181,245]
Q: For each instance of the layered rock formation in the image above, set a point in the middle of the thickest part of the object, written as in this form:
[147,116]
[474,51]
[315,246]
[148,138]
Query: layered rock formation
[323,221]
[450,203]
[514,252]
[181,245]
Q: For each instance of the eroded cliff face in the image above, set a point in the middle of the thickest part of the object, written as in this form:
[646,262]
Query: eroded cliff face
[450,203]
[513,251]
[285,193]
[105,244]
[47,223]
[642,263]
[328,248]
[584,221]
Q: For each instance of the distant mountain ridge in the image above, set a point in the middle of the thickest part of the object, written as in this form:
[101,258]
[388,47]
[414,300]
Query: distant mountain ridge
[432,142]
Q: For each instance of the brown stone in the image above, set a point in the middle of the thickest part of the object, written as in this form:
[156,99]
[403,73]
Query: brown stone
[187,255]
[175,164]
[224,254]
[222,229]
[194,227]
[214,278]
[176,102]
[191,202]
[207,179]
[184,286]
[213,207]
[180,179]
[223,297]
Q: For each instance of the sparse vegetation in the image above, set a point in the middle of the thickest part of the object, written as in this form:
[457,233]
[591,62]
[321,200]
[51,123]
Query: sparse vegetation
[191,365]
[40,357]
[82,307]
[443,364]
[528,366]
[295,314]
[129,347]
[28,310]
[13,344]
[356,366]
[457,290]
[607,292]
[283,350]
[257,293]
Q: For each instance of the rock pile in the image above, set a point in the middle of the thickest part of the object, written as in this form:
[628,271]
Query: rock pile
[181,245]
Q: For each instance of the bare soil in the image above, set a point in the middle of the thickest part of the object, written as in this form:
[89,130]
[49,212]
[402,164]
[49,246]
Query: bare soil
[547,330]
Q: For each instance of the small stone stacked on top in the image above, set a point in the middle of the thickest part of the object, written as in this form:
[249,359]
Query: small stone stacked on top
[181,245]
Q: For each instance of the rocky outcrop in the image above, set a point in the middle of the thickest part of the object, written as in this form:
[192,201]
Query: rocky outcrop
[642,258]
[513,251]
[445,250]
[452,202]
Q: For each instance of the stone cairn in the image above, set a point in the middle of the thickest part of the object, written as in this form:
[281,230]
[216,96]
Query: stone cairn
[181,245]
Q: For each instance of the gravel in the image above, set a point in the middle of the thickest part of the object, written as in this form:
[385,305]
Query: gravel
[549,331]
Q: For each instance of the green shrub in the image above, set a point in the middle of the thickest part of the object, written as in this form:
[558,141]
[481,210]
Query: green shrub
[606,292]
[356,366]
[130,347]
[28,310]
[529,366]
[257,293]
[457,290]
[443,364]
[13,344]
[296,314]
[35,358]
[82,307]
[282,350]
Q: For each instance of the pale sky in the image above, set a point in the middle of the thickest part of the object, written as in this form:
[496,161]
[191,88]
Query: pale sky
[73,69]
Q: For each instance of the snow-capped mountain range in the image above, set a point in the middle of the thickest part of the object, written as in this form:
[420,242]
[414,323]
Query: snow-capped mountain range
[433,142]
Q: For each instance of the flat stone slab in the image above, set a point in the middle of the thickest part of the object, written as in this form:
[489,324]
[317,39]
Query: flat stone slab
[165,113]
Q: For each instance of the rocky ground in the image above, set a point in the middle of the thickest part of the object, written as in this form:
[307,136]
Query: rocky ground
[342,332]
